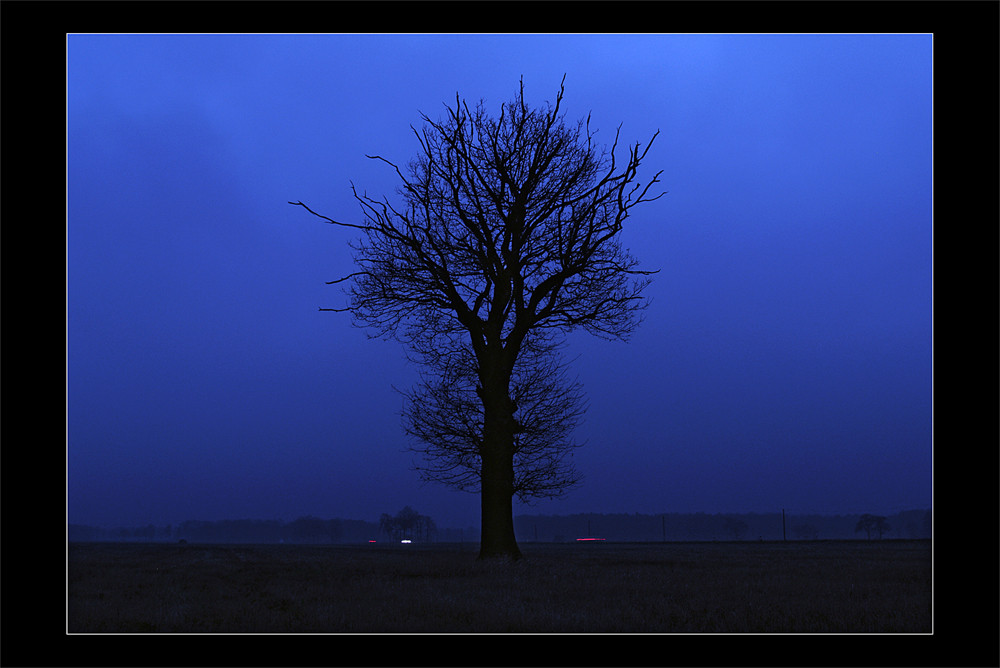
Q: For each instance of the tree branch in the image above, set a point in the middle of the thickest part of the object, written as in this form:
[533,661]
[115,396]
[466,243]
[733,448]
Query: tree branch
[329,220]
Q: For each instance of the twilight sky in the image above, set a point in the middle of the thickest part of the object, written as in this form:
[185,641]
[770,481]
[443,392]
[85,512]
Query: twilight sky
[785,361]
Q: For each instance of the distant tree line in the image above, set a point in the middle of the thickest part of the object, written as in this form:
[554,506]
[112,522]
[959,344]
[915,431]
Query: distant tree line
[873,525]
[409,524]
[544,528]
[306,529]
[720,527]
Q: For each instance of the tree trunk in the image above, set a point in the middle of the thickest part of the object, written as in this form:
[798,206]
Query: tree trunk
[497,539]
[497,490]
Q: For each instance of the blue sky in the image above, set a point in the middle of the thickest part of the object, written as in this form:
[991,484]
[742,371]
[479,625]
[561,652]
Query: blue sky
[785,361]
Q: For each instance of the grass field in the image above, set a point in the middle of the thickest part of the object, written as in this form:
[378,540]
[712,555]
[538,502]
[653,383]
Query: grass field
[796,587]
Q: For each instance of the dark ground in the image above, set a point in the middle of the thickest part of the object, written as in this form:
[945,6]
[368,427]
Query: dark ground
[658,588]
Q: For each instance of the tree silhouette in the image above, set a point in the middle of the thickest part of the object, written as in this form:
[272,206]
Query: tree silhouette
[387,525]
[508,238]
[872,524]
[736,527]
[407,523]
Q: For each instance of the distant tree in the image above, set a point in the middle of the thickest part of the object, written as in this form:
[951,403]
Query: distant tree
[867,524]
[407,523]
[872,524]
[736,527]
[387,525]
[426,529]
[508,238]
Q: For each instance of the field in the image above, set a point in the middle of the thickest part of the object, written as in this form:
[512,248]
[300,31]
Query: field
[739,587]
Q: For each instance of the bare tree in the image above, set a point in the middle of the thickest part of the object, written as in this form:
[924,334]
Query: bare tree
[508,237]
[444,414]
[872,524]
[736,527]
[407,523]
